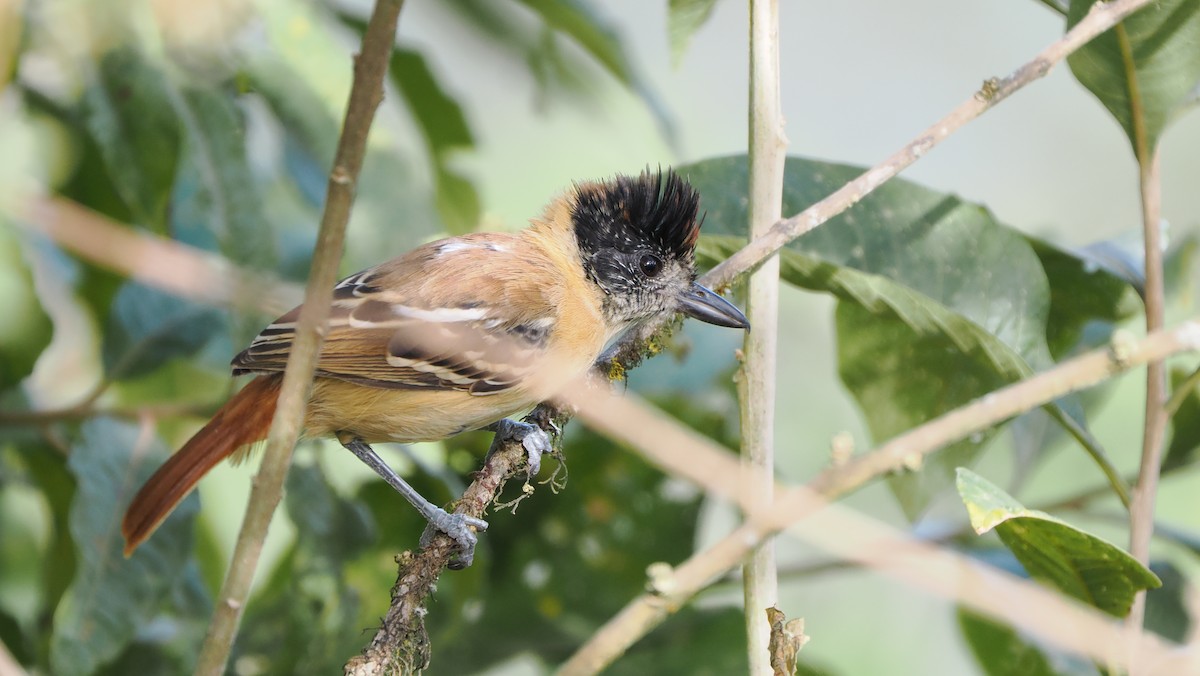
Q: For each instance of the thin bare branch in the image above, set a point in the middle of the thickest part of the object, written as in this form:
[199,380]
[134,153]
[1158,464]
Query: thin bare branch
[1141,512]
[370,68]
[768,150]
[166,264]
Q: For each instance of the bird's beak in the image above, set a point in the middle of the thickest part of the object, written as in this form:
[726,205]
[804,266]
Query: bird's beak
[707,306]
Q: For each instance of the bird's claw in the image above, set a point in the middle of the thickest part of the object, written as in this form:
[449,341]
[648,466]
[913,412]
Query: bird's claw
[534,440]
[459,527]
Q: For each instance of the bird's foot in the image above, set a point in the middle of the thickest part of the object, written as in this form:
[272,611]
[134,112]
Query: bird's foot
[459,527]
[533,439]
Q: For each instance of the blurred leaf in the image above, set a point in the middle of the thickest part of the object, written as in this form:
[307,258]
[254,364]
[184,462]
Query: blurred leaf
[1143,69]
[50,474]
[148,327]
[1185,423]
[1179,267]
[694,641]
[578,21]
[299,109]
[307,603]
[112,596]
[215,192]
[144,660]
[328,524]
[457,202]
[999,649]
[598,36]
[445,129]
[11,27]
[436,112]
[1167,607]
[305,83]
[12,638]
[1078,563]
[26,329]
[934,291]
[127,108]
[684,18]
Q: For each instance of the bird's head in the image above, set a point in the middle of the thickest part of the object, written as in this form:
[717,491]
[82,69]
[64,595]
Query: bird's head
[637,237]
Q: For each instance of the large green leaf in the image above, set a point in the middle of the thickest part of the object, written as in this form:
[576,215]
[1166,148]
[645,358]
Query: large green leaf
[128,111]
[1077,563]
[26,329]
[684,18]
[1143,70]
[148,327]
[934,290]
[112,596]
[1000,650]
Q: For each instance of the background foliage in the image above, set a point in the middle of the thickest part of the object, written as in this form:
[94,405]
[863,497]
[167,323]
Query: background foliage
[214,126]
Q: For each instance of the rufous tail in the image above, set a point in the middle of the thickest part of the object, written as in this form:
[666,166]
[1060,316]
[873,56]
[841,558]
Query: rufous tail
[245,419]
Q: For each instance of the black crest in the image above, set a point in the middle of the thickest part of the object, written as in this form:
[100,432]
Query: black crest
[626,212]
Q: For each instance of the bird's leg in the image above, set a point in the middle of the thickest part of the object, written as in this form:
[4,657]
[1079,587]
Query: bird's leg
[534,439]
[457,526]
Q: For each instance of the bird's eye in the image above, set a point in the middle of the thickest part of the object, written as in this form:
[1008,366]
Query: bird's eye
[650,265]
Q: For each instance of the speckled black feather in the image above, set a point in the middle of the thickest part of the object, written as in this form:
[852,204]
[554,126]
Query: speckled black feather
[626,213]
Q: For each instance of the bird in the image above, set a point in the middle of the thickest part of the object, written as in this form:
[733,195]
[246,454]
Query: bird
[461,333]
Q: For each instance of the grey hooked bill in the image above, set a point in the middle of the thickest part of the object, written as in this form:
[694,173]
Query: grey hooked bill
[707,306]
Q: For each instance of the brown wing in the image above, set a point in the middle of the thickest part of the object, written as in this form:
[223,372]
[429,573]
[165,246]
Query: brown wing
[461,313]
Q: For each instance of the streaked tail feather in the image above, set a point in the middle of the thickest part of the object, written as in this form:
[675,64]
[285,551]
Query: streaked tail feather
[245,419]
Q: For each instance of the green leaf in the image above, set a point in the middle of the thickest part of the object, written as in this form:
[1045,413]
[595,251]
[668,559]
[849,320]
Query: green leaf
[597,35]
[999,649]
[52,477]
[112,596]
[1185,422]
[445,129]
[934,291]
[457,201]
[129,113]
[1077,563]
[26,329]
[1144,69]
[148,327]
[298,107]
[1087,303]
[1167,611]
[436,112]
[216,193]
[684,18]
[328,524]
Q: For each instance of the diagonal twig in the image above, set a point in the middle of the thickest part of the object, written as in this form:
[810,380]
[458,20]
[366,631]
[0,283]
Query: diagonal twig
[366,93]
